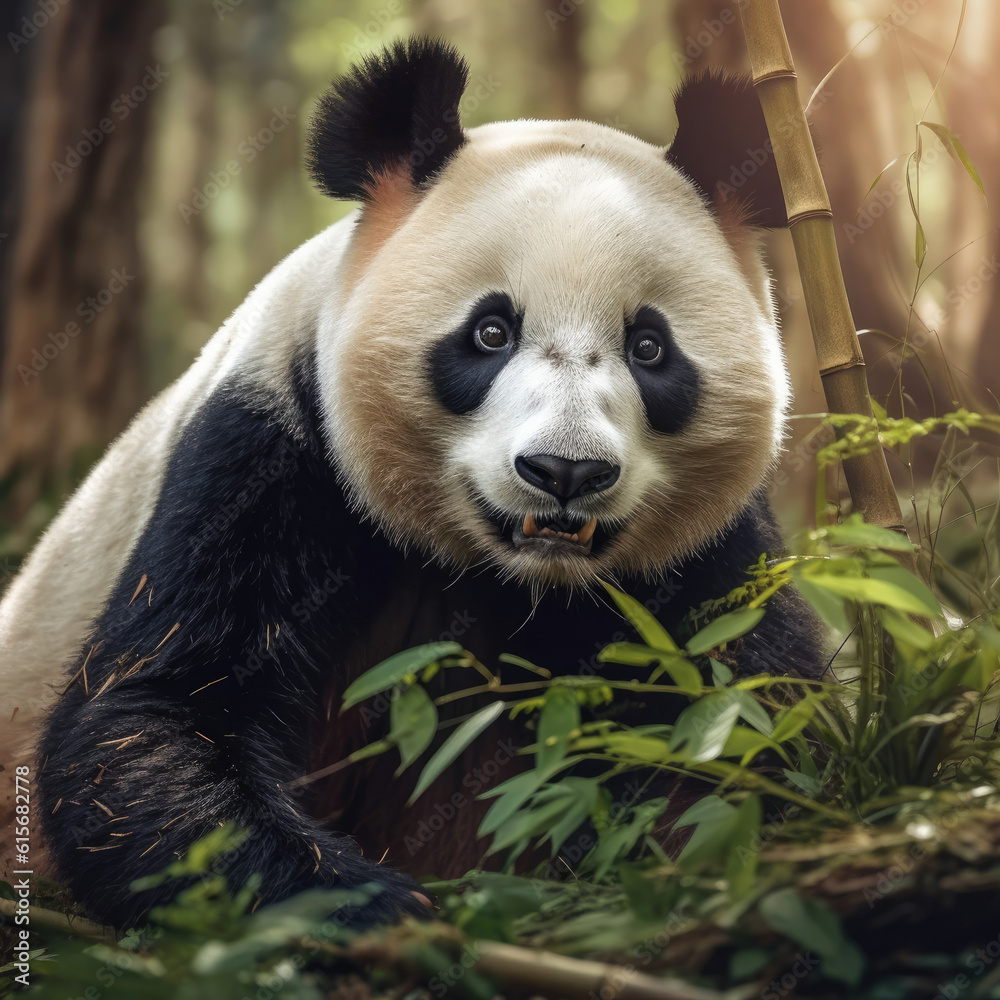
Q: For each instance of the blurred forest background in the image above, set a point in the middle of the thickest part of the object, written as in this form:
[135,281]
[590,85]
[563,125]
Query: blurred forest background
[151,174]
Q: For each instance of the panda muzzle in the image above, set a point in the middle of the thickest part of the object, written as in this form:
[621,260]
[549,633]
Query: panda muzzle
[561,528]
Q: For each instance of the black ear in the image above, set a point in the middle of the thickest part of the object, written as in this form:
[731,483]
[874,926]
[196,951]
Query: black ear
[723,146]
[395,111]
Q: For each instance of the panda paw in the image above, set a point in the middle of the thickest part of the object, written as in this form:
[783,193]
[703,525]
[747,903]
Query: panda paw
[398,896]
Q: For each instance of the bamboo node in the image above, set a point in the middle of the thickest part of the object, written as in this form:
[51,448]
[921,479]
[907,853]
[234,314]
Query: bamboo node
[775,74]
[811,213]
[853,363]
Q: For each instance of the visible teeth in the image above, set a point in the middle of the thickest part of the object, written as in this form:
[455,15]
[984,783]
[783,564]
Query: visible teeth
[581,536]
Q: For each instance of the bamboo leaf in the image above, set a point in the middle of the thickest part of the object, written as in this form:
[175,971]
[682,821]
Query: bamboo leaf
[920,246]
[856,532]
[953,144]
[792,720]
[702,729]
[724,629]
[744,842]
[392,671]
[452,747]
[652,632]
[413,720]
[559,717]
[809,924]
[829,607]
[875,591]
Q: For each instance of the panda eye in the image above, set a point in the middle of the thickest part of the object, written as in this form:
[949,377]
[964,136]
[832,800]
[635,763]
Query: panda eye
[646,348]
[492,333]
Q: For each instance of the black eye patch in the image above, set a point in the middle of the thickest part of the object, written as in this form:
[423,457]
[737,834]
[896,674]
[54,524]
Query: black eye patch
[465,364]
[667,379]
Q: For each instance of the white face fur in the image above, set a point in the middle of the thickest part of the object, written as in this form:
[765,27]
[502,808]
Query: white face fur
[581,229]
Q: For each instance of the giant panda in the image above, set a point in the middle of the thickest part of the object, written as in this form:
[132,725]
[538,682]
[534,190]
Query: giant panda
[539,356]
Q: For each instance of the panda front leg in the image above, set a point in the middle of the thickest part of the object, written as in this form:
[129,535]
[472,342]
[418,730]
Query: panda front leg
[192,703]
[132,777]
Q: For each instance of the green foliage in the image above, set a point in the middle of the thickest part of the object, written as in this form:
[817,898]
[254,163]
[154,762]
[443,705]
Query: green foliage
[206,943]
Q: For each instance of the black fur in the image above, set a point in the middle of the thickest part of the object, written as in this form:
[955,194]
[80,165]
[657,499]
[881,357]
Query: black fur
[669,389]
[398,108]
[249,521]
[460,373]
[166,731]
[722,144]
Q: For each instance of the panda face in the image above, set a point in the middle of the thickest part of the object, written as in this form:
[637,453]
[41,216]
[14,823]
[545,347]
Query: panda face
[555,362]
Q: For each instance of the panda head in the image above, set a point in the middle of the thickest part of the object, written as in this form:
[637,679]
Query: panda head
[554,348]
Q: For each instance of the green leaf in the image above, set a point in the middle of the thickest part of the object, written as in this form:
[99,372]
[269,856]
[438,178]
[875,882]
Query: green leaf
[753,712]
[712,831]
[828,606]
[711,809]
[744,842]
[511,795]
[878,176]
[905,630]
[953,144]
[920,240]
[520,661]
[413,720]
[810,785]
[809,924]
[790,721]
[530,823]
[902,578]
[721,674]
[652,632]
[877,591]
[702,729]
[724,629]
[619,839]
[584,792]
[856,532]
[451,749]
[392,671]
[746,744]
[645,748]
[683,673]
[559,717]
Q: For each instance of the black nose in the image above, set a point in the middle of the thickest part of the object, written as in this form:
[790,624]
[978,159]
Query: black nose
[566,479]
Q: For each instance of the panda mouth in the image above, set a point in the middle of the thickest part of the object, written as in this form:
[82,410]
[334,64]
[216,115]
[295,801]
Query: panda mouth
[564,532]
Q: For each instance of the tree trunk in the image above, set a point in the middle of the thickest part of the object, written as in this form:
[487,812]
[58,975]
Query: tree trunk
[71,373]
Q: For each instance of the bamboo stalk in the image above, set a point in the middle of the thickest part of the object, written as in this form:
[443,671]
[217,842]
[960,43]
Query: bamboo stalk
[78,926]
[551,975]
[810,219]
